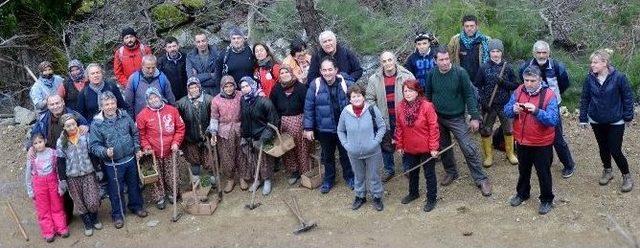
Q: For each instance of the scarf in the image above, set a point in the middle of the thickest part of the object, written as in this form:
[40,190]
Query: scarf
[74,137]
[411,110]
[250,97]
[533,91]
[358,110]
[97,88]
[477,37]
[47,81]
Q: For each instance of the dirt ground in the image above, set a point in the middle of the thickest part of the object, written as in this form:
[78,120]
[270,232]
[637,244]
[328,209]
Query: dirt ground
[462,218]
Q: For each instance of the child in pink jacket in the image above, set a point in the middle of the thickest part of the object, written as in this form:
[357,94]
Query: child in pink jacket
[43,187]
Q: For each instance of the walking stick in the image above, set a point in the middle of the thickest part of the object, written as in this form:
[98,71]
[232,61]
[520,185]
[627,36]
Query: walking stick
[426,161]
[493,94]
[15,217]
[175,215]
[115,169]
[213,153]
[252,205]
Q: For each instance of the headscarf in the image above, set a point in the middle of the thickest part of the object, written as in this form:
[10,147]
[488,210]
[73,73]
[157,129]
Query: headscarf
[191,81]
[76,63]
[154,91]
[255,91]
[290,83]
[227,79]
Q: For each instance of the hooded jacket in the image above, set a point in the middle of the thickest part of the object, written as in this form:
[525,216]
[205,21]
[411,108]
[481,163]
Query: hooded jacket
[41,89]
[128,60]
[160,129]
[357,134]
[225,115]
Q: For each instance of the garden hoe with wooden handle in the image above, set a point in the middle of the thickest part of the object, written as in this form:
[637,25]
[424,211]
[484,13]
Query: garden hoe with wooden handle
[213,154]
[175,217]
[253,205]
[295,209]
[424,162]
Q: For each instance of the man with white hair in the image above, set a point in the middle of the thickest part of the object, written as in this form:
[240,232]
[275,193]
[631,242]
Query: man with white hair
[347,62]
[554,75]
[140,81]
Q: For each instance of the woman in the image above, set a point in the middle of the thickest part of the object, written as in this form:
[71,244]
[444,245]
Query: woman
[299,60]
[607,104]
[225,132]
[360,130]
[257,111]
[418,139]
[73,85]
[77,172]
[288,97]
[267,69]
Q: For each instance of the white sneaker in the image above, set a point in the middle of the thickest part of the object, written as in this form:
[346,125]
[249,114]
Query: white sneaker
[213,181]
[254,186]
[266,188]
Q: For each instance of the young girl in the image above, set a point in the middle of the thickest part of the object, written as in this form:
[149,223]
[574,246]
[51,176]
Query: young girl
[76,170]
[42,186]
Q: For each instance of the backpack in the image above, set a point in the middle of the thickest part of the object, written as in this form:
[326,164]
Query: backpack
[121,51]
[136,81]
[343,84]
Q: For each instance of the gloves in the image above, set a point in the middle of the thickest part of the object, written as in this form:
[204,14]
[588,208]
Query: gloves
[62,187]
[583,125]
[99,175]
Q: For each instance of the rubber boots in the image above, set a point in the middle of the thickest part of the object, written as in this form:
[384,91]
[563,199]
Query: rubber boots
[509,151]
[487,148]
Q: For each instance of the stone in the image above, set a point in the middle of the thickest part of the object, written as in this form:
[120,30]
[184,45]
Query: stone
[564,111]
[167,15]
[7,122]
[23,116]
[152,223]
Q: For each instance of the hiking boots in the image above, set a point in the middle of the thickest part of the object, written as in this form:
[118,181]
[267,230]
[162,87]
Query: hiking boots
[627,183]
[488,152]
[266,188]
[243,184]
[230,185]
[254,186]
[516,200]
[430,205]
[485,187]
[607,175]
[409,198]
[377,204]
[545,208]
[448,179]
[161,204]
[358,202]
[293,179]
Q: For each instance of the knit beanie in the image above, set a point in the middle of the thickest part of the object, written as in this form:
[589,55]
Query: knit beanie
[128,31]
[193,80]
[235,31]
[44,65]
[75,63]
[496,44]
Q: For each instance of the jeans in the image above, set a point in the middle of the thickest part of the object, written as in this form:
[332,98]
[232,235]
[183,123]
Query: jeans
[562,149]
[461,132]
[127,176]
[389,165]
[409,161]
[539,157]
[328,144]
[609,139]
[365,173]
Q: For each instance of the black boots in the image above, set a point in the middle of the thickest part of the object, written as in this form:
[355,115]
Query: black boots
[358,202]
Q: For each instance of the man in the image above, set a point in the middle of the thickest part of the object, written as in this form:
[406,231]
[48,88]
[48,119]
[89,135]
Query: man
[346,61]
[554,75]
[326,97]
[46,85]
[201,63]
[161,132]
[73,85]
[115,140]
[469,48]
[173,65]
[237,60]
[148,76]
[450,90]
[385,90]
[88,102]
[495,81]
[535,110]
[128,58]
[423,60]
[195,109]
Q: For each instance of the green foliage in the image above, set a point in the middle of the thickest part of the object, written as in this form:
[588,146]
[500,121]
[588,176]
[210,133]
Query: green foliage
[193,4]
[167,15]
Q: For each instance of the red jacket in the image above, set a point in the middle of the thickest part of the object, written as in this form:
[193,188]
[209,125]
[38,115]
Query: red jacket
[423,136]
[159,129]
[126,61]
[267,82]
[527,128]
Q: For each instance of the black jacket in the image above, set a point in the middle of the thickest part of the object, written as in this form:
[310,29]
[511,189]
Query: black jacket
[289,105]
[235,64]
[255,117]
[176,72]
[196,120]
[348,64]
[486,80]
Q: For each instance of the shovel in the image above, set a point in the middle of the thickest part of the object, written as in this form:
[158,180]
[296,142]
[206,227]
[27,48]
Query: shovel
[295,209]
[175,215]
[253,205]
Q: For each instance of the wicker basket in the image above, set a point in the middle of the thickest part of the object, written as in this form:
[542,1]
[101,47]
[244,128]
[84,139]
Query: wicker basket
[282,143]
[148,163]
[194,201]
[313,178]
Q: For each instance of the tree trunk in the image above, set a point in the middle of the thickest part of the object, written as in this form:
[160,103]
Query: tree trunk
[310,21]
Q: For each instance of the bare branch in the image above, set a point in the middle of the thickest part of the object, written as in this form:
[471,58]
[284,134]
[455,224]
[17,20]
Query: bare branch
[629,239]
[3,3]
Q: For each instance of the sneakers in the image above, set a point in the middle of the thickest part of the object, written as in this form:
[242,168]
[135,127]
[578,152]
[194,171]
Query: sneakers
[243,184]
[254,186]
[266,188]
[293,179]
[229,186]
[88,224]
[607,175]
[409,198]
[627,183]
[430,205]
[96,223]
[516,200]
[358,202]
[448,179]
[88,232]
[485,187]
[545,208]
[141,213]
[326,187]
[118,224]
[377,204]
[568,172]
[161,204]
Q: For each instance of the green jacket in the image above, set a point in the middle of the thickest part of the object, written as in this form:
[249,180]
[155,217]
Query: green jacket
[377,95]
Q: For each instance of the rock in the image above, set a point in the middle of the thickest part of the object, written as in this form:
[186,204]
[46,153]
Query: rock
[23,116]
[153,223]
[193,4]
[7,122]
[564,111]
[467,233]
[167,15]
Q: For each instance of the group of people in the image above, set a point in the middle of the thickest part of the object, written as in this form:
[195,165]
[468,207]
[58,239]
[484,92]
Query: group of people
[92,130]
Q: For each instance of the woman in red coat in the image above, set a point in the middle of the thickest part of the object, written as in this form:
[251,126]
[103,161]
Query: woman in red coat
[417,139]
[267,70]
[161,132]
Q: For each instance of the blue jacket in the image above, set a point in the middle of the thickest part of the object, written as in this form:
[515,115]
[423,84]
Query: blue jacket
[347,62]
[120,133]
[554,75]
[135,93]
[318,110]
[420,65]
[609,102]
[42,126]
[205,72]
